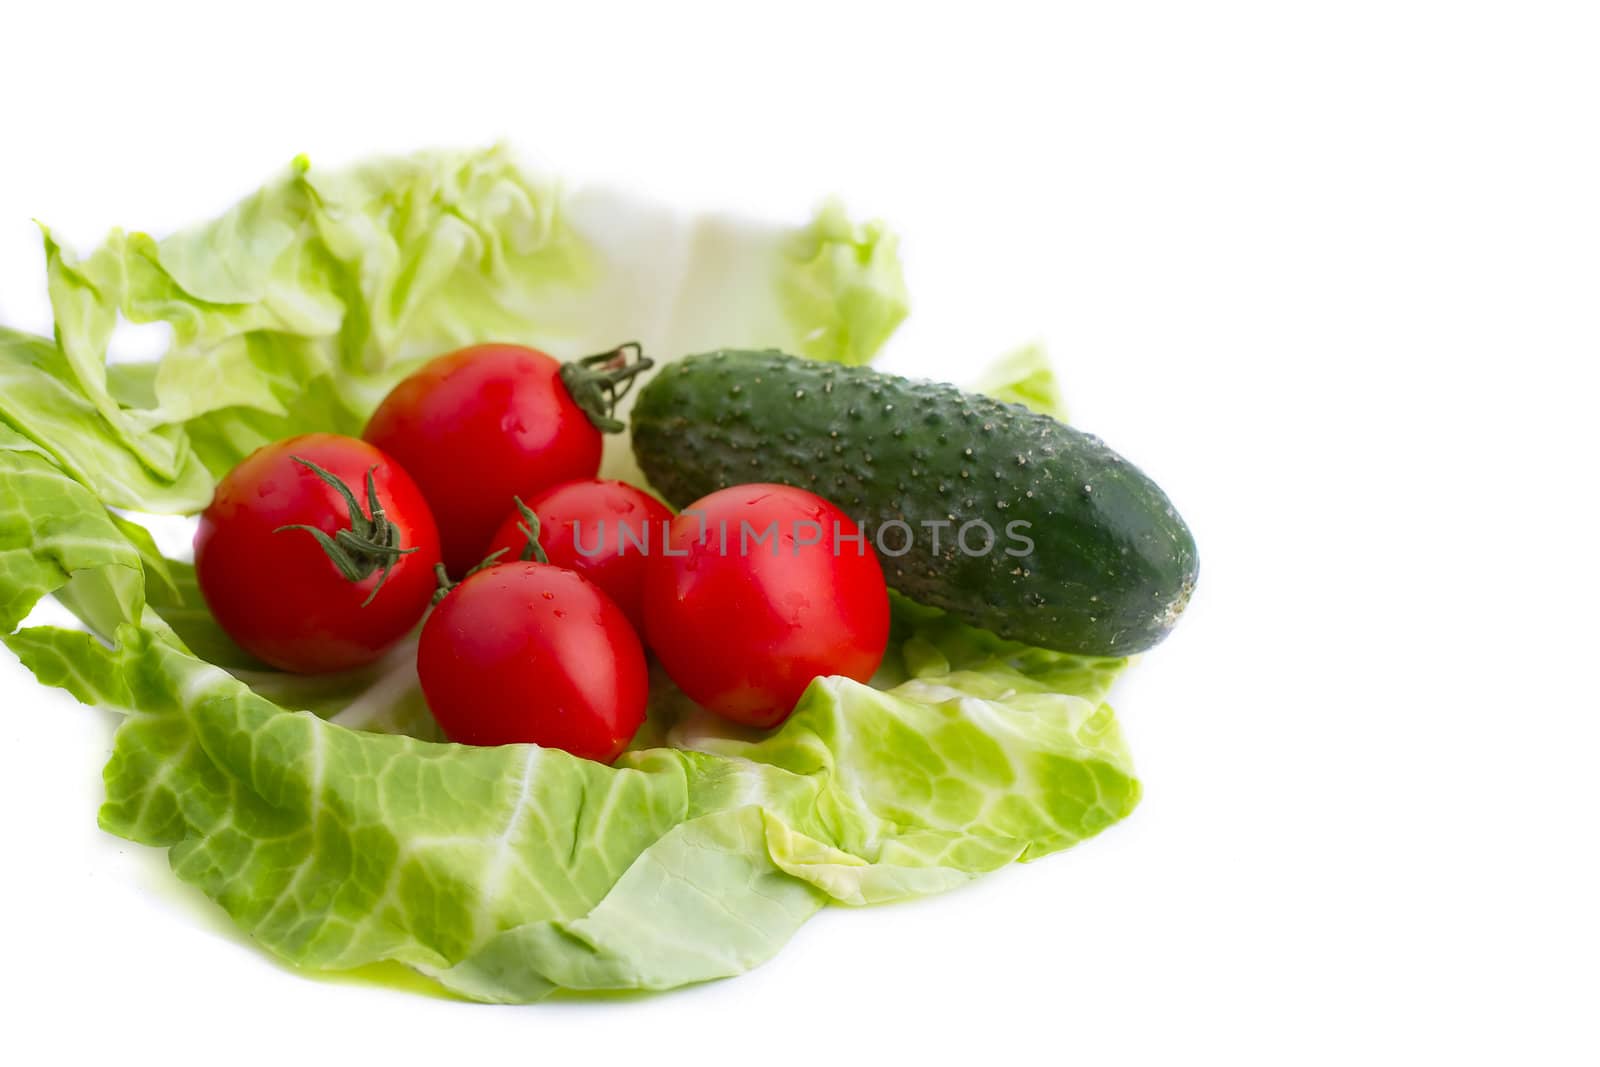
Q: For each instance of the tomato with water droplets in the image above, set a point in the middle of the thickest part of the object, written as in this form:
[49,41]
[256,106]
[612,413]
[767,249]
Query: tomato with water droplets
[758,590]
[317,553]
[604,530]
[526,652]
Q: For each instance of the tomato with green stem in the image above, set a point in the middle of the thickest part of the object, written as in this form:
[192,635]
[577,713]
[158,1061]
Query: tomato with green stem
[605,530]
[301,572]
[485,424]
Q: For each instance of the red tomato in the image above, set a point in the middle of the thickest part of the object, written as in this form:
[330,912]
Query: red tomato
[604,530]
[743,624]
[527,652]
[278,592]
[478,427]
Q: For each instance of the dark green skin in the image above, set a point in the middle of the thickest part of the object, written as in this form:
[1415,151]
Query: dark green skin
[1112,565]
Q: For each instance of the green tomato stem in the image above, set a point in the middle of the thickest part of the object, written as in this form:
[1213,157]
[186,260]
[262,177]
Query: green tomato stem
[598,383]
[533,551]
[371,544]
[442,576]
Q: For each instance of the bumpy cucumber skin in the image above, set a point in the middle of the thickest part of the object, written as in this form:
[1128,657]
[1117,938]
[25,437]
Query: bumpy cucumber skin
[1113,564]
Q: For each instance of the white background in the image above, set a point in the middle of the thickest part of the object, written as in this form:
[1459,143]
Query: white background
[1328,272]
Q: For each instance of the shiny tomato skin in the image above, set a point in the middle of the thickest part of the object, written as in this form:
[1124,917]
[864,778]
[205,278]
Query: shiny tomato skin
[479,426]
[277,593]
[527,653]
[743,634]
[602,529]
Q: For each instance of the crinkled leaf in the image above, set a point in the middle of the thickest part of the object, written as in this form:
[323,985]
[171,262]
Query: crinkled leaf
[42,402]
[1023,376]
[56,536]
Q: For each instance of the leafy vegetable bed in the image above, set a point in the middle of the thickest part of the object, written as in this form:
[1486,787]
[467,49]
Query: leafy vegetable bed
[321,812]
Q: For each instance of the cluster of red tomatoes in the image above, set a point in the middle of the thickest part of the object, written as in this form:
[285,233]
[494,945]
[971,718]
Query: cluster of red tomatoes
[474,491]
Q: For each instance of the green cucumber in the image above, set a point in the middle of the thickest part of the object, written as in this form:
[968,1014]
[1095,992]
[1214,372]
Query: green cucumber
[1112,564]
